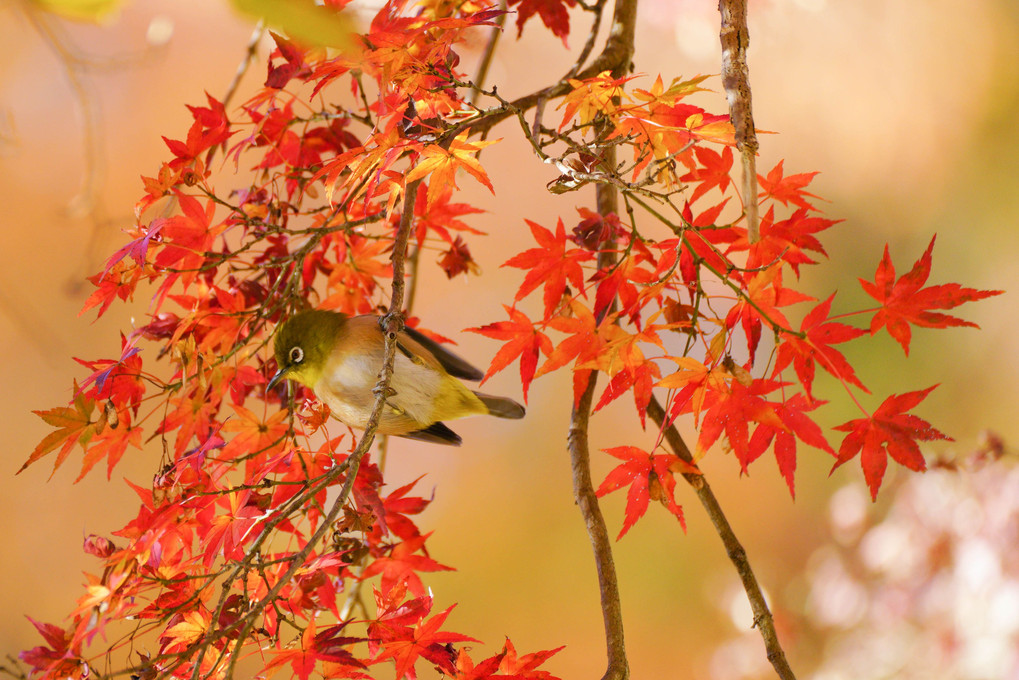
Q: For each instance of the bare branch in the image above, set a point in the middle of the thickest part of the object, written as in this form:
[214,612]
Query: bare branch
[486,57]
[763,619]
[607,197]
[587,501]
[249,56]
[736,80]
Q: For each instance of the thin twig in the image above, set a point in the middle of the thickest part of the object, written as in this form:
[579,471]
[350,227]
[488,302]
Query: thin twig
[763,619]
[399,258]
[392,324]
[249,56]
[486,57]
[598,9]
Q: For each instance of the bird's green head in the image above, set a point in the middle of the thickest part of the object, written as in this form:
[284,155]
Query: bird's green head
[303,343]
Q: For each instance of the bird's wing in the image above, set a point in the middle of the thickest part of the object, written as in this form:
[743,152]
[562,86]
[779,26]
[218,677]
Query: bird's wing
[436,433]
[454,365]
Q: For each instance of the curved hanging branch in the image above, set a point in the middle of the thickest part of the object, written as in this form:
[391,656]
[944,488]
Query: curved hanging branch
[587,501]
[763,620]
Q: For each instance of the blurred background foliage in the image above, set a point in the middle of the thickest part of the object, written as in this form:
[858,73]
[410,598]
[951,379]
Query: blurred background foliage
[910,111]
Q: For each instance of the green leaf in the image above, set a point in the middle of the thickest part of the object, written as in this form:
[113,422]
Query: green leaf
[80,10]
[303,21]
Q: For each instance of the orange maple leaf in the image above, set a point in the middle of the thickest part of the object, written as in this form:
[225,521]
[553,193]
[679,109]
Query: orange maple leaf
[188,629]
[74,425]
[442,164]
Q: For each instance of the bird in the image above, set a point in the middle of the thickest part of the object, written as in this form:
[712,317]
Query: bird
[340,358]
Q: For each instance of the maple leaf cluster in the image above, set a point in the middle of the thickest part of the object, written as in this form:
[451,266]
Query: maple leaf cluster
[232,552]
[686,298]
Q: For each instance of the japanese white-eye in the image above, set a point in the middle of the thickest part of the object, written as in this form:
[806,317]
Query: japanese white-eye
[340,358]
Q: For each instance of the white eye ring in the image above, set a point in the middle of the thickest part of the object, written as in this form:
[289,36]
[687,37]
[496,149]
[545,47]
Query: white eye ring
[296,355]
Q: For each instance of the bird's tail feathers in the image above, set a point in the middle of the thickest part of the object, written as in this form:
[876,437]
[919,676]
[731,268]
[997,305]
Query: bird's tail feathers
[503,407]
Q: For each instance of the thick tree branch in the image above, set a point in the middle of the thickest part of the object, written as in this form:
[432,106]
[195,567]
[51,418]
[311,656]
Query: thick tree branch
[763,619]
[615,57]
[587,501]
[607,197]
[735,39]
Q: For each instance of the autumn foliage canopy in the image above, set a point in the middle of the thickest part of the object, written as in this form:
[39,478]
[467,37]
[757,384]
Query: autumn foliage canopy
[302,196]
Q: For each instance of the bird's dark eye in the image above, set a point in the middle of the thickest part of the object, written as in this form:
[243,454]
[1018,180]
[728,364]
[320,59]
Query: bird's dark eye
[296,355]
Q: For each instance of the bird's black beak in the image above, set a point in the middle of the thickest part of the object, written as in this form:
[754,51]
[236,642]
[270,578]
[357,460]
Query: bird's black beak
[280,375]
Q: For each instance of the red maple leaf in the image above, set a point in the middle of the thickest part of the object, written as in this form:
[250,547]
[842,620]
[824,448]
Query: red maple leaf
[402,565]
[111,444]
[117,282]
[441,216]
[328,647]
[294,63]
[458,260]
[641,378]
[731,411]
[797,425]
[815,347]
[466,669]
[394,510]
[788,240]
[119,380]
[525,666]
[890,431]
[405,645]
[764,295]
[905,301]
[553,14]
[714,171]
[60,657]
[583,343]
[524,341]
[550,264]
[620,279]
[648,476]
[227,532]
[210,129]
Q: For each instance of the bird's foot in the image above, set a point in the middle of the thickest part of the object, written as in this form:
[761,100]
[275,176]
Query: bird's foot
[392,323]
[377,390]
